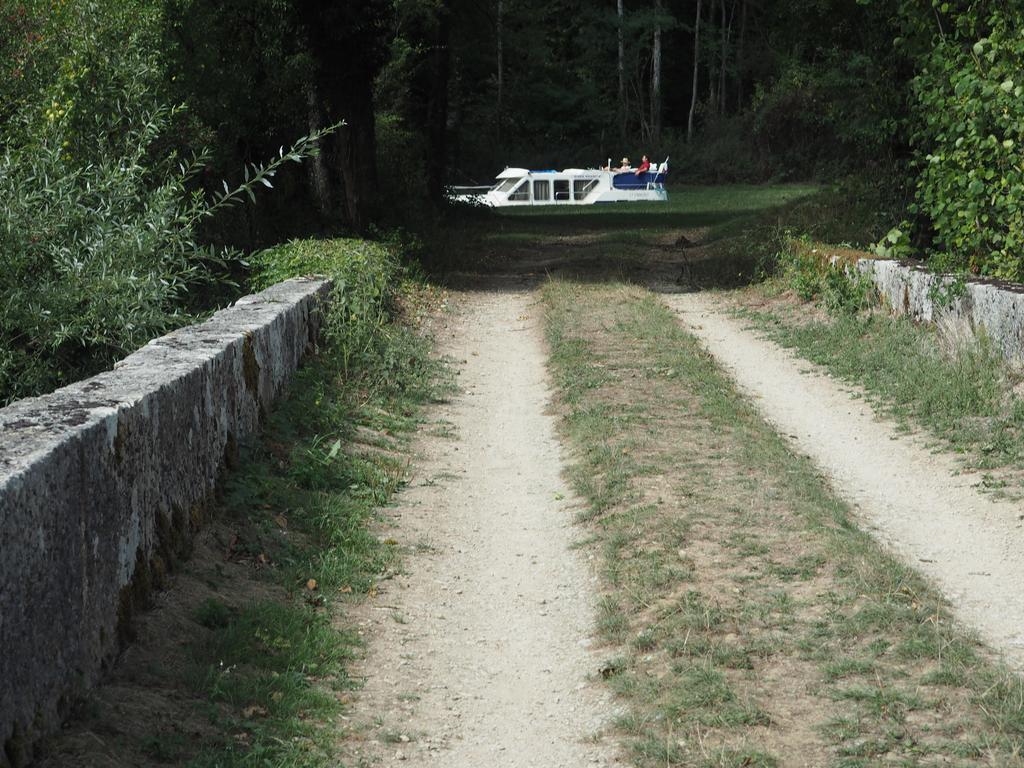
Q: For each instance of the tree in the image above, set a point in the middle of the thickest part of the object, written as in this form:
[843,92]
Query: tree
[656,76]
[347,46]
[623,109]
[696,71]
[500,67]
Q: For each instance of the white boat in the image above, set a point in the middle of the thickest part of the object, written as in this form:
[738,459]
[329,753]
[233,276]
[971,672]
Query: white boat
[573,186]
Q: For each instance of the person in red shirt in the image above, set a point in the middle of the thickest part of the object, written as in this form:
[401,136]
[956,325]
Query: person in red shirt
[645,166]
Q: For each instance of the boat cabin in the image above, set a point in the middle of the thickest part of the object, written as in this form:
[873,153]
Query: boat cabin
[573,186]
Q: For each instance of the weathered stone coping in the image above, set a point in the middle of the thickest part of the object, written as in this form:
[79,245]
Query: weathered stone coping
[102,484]
[910,289]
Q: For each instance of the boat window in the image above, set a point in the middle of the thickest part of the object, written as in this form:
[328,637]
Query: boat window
[522,192]
[504,185]
[542,190]
[561,189]
[583,187]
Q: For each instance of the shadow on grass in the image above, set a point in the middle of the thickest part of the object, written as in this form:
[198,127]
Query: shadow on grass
[601,219]
[700,239]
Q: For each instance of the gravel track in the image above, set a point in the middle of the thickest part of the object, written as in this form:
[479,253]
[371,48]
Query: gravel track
[911,498]
[479,651]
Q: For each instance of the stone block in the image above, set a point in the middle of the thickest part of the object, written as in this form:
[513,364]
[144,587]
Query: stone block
[911,289]
[102,484]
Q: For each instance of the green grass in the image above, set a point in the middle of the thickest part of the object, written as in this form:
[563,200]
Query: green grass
[694,205]
[736,586]
[617,225]
[613,236]
[274,670]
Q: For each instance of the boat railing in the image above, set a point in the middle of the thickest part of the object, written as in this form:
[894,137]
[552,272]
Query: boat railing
[658,182]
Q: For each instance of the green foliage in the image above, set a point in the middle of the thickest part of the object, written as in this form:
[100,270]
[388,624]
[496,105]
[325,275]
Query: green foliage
[969,139]
[99,220]
[241,68]
[326,463]
[805,273]
[896,243]
[100,258]
[212,614]
[827,116]
[91,262]
[839,288]
[724,152]
[364,275]
[402,169]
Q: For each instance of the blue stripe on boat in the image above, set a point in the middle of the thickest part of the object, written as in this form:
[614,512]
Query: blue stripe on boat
[631,181]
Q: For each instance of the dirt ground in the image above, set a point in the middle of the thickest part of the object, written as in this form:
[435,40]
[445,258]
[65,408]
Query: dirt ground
[480,650]
[915,500]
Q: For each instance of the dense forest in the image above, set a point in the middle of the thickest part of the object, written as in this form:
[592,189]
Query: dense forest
[147,145]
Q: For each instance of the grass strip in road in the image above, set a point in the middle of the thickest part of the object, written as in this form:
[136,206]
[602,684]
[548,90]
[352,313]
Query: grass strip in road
[748,621]
[946,378]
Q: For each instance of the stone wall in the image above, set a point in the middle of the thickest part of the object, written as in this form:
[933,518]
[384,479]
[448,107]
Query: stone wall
[910,289]
[102,484]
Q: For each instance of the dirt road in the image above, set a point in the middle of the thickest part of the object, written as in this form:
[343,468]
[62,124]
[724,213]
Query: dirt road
[479,651]
[914,500]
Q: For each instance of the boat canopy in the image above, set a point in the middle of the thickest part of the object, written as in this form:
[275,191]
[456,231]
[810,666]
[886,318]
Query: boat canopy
[513,173]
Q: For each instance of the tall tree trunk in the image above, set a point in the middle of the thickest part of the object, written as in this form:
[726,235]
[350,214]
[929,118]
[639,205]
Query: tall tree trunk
[426,113]
[437,107]
[500,105]
[319,174]
[696,70]
[345,66]
[622,71]
[739,56]
[656,77]
[723,60]
[357,159]
[713,62]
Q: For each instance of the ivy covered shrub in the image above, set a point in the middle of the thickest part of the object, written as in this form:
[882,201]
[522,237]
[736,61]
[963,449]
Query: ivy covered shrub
[968,133]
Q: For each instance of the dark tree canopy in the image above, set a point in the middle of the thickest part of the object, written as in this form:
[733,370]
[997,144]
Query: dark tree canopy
[435,92]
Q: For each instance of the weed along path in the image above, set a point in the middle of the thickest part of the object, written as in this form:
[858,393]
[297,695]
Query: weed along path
[478,652]
[970,544]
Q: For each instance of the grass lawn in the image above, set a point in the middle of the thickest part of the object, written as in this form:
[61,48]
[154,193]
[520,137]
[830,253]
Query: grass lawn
[622,232]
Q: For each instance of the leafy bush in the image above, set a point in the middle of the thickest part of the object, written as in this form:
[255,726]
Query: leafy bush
[98,222]
[89,263]
[847,293]
[805,274]
[838,289]
[97,260]
[827,118]
[723,152]
[364,275]
[968,133]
